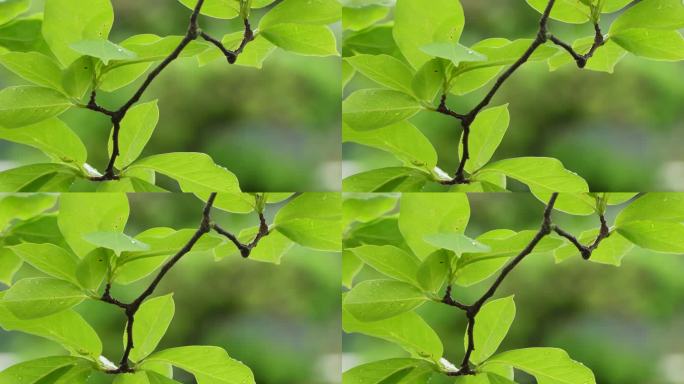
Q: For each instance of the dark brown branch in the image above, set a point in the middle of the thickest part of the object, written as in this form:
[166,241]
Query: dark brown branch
[586,250]
[581,59]
[245,248]
[118,115]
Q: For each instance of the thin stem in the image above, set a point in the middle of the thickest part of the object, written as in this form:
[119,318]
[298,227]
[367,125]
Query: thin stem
[245,249]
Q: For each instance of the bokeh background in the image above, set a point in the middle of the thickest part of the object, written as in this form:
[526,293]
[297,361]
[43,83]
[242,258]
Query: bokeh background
[277,129]
[621,132]
[280,320]
[624,323]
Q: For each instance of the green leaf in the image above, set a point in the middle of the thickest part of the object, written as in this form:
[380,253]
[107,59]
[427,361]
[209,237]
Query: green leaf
[67,328]
[407,330]
[312,220]
[376,108]
[452,51]
[302,12]
[68,21]
[429,213]
[417,24]
[102,49]
[194,172]
[429,80]
[390,261]
[303,39]
[9,265]
[23,207]
[491,326]
[209,365]
[541,174]
[356,19]
[41,296]
[653,14]
[10,9]
[92,270]
[35,67]
[53,137]
[402,139]
[374,300]
[567,11]
[486,133]
[37,178]
[136,129]
[150,325]
[156,378]
[365,208]
[610,251]
[149,47]
[394,371]
[351,266]
[116,241]
[501,52]
[83,213]
[655,235]
[224,9]
[654,206]
[456,242]
[139,377]
[547,365]
[79,77]
[395,179]
[33,371]
[434,270]
[384,70]
[652,43]
[28,104]
[48,258]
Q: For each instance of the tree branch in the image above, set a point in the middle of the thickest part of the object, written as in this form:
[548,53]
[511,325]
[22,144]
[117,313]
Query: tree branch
[245,249]
[118,115]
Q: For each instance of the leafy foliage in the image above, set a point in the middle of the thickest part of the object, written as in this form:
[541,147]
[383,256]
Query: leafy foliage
[414,53]
[417,243]
[72,60]
[79,243]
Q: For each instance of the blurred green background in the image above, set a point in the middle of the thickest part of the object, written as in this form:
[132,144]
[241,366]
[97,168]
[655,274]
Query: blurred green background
[280,320]
[277,129]
[624,323]
[621,132]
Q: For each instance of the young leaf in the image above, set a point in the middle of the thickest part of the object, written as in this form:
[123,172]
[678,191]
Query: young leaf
[150,325]
[454,52]
[390,261]
[402,139]
[429,213]
[433,271]
[35,67]
[376,108]
[304,39]
[194,172]
[82,213]
[68,21]
[48,258]
[27,104]
[53,137]
[79,77]
[209,365]
[652,43]
[408,330]
[67,328]
[312,220]
[486,133]
[547,365]
[41,296]
[491,326]
[302,12]
[116,241]
[655,235]
[417,24]
[396,179]
[92,270]
[429,80]
[136,129]
[374,300]
[652,14]
[542,175]
[456,242]
[10,9]
[384,70]
[102,49]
